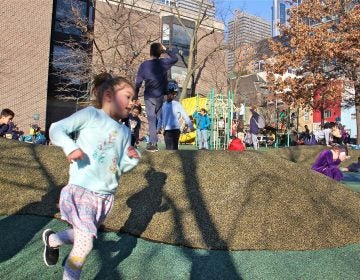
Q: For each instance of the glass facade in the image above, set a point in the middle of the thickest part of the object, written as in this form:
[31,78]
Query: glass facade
[181,35]
[69,48]
[178,35]
[67,14]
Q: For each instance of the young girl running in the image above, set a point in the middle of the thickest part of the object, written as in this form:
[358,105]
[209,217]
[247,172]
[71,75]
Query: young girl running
[98,157]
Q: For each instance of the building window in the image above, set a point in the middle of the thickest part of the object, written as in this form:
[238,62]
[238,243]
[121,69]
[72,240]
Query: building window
[353,116]
[166,34]
[182,35]
[166,2]
[68,13]
[327,114]
[306,116]
[66,63]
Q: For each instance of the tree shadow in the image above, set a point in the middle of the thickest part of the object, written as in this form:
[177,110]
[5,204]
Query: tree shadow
[205,264]
[16,232]
[216,264]
[144,205]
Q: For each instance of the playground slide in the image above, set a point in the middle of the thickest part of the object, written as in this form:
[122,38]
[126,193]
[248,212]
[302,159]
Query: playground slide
[190,105]
[188,138]
[193,103]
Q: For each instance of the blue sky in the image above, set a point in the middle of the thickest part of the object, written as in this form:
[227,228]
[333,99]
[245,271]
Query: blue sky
[261,8]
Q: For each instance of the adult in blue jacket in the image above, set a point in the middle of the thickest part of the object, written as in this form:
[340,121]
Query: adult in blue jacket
[254,127]
[202,125]
[154,72]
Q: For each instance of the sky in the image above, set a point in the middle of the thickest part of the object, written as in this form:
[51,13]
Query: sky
[261,8]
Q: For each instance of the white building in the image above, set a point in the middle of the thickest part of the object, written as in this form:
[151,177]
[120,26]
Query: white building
[279,16]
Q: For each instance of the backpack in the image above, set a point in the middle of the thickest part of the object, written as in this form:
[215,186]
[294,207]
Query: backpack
[260,122]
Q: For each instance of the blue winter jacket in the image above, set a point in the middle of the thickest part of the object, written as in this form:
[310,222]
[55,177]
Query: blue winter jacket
[202,122]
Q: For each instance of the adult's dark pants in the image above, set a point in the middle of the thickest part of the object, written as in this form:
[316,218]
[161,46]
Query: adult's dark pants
[153,110]
[171,138]
[337,140]
[133,140]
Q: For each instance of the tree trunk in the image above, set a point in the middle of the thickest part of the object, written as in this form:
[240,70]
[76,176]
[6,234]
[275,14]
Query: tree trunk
[322,115]
[357,107]
[184,87]
[193,86]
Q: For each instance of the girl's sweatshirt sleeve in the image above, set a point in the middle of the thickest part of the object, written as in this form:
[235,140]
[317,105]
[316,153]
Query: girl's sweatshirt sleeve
[59,131]
[127,163]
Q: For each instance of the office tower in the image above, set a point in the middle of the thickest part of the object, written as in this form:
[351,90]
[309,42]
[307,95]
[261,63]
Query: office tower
[245,29]
[278,16]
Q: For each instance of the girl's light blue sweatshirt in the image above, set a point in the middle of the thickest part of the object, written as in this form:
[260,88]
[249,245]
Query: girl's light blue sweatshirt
[105,143]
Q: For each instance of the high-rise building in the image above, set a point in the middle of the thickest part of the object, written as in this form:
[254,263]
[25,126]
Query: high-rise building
[245,29]
[191,5]
[278,16]
[196,6]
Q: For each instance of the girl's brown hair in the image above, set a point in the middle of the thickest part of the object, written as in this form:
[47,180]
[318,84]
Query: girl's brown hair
[103,82]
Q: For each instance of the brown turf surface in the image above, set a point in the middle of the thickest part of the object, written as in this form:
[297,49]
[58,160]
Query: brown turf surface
[202,199]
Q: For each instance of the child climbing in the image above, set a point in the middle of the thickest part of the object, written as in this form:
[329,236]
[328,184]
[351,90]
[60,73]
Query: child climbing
[97,161]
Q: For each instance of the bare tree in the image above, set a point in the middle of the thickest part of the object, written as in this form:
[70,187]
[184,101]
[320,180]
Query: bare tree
[217,75]
[244,58]
[202,36]
[116,44]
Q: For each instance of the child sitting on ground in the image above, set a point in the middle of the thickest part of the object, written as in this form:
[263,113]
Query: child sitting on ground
[171,112]
[6,116]
[236,144]
[328,162]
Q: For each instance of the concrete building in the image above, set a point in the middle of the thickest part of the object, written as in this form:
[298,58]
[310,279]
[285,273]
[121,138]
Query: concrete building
[197,5]
[245,29]
[279,16]
[33,49]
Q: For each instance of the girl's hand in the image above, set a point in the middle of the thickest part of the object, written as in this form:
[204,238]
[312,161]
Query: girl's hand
[343,156]
[137,102]
[76,155]
[132,153]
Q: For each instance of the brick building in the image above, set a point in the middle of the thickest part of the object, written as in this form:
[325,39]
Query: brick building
[33,49]
[24,57]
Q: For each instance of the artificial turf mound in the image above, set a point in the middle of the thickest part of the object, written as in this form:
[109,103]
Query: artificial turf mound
[217,200]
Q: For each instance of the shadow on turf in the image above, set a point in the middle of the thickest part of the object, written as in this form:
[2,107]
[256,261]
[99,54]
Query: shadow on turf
[214,264]
[144,205]
[14,240]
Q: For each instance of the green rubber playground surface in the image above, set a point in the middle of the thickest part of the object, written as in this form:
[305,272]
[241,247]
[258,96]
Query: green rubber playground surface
[352,181]
[120,256]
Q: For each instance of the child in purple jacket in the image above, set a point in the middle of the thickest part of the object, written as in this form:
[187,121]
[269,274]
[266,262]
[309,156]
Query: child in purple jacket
[328,162]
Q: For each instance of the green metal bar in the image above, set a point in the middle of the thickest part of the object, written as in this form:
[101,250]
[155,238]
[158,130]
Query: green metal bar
[276,128]
[230,117]
[197,109]
[288,127]
[297,120]
[212,117]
